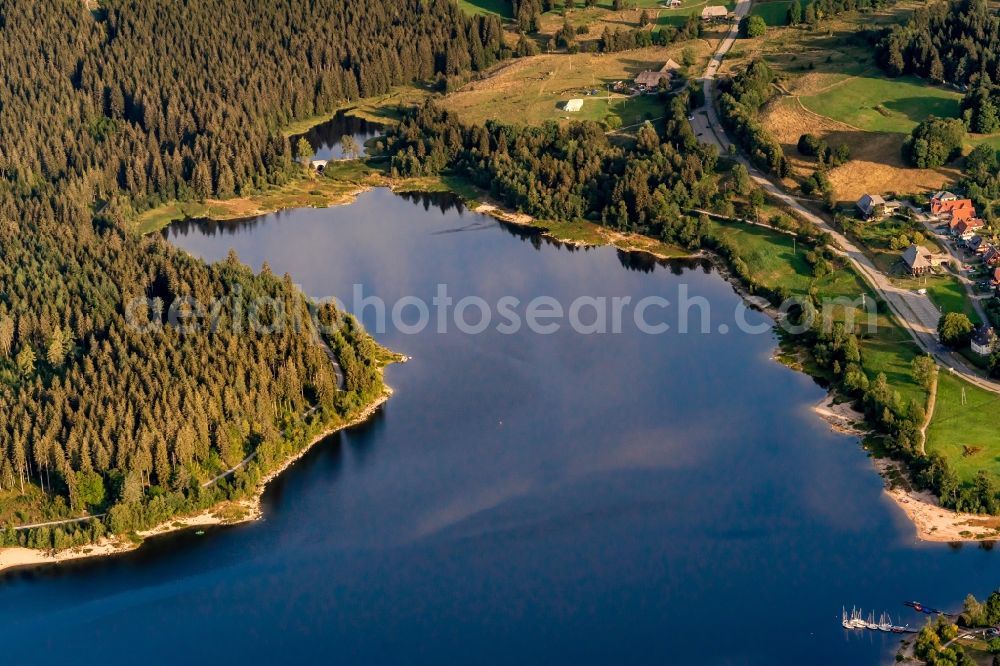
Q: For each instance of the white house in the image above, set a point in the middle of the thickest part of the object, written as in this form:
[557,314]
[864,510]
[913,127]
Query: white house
[573,105]
[984,340]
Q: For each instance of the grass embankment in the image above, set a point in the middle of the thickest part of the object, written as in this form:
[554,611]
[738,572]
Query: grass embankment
[965,432]
[533,90]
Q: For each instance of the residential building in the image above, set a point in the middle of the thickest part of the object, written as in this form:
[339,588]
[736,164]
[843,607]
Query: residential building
[921,261]
[984,340]
[947,209]
[966,229]
[992,257]
[875,207]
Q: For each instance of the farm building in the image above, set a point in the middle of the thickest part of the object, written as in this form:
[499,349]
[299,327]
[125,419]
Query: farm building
[670,65]
[573,105]
[672,4]
[714,13]
[318,165]
[650,79]
[920,261]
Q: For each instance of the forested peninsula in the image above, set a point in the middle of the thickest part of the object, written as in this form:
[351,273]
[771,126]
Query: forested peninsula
[107,113]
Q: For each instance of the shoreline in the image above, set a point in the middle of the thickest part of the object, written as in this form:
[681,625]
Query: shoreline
[931,522]
[618,240]
[250,509]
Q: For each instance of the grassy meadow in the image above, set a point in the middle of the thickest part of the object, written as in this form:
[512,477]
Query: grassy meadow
[877,104]
[965,434]
[533,90]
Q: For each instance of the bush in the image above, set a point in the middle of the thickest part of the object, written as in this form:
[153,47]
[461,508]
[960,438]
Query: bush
[934,143]
[955,329]
[753,26]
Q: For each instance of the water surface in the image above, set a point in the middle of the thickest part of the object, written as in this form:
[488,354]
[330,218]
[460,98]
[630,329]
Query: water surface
[525,498]
[326,138]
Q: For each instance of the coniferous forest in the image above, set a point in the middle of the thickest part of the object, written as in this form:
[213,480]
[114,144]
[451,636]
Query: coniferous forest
[104,409]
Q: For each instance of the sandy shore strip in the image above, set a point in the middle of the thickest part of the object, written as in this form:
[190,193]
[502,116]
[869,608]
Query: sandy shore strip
[841,416]
[226,513]
[932,522]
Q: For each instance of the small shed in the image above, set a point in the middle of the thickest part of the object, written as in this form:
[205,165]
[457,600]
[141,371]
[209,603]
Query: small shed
[573,105]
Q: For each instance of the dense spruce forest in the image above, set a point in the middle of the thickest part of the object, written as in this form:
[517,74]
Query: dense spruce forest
[957,43]
[954,41]
[105,409]
[571,171]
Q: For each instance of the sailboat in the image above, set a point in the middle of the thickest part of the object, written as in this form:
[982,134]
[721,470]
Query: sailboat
[884,623]
[856,621]
[871,621]
[843,619]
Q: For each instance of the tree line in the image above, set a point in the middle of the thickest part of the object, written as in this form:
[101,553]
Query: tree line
[742,97]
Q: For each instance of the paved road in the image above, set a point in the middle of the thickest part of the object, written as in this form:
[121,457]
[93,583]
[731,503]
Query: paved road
[916,312]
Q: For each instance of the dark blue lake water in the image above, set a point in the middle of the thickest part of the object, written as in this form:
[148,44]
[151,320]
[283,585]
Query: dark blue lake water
[524,497]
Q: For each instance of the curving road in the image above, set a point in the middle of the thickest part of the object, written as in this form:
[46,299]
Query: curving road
[916,312]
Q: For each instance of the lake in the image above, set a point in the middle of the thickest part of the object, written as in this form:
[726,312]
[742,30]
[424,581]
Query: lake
[524,497]
[326,138]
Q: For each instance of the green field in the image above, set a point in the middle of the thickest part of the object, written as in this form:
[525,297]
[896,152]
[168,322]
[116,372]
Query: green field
[945,290]
[956,426]
[773,13]
[773,263]
[883,105]
[499,8]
